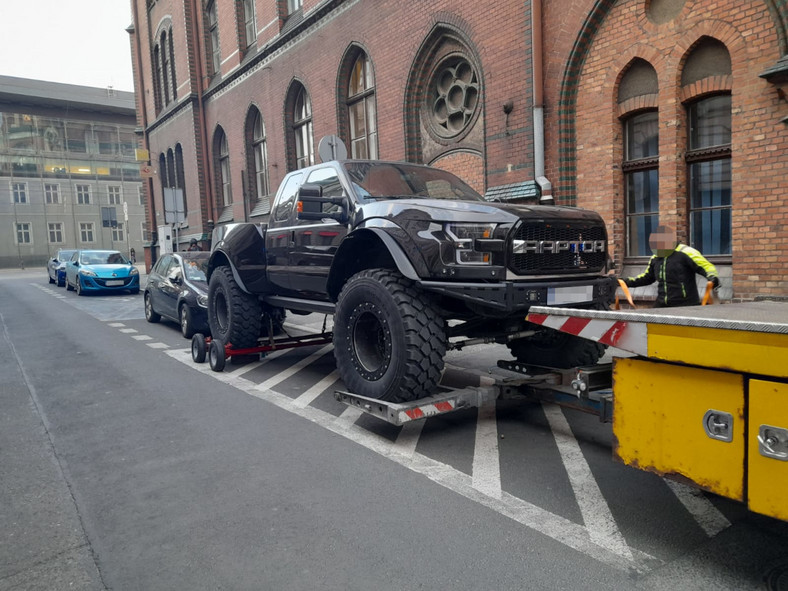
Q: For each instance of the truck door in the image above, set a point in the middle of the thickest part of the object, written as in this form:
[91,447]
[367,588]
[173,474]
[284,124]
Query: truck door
[279,234]
[316,242]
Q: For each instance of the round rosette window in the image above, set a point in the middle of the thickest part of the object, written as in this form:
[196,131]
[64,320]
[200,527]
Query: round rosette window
[453,97]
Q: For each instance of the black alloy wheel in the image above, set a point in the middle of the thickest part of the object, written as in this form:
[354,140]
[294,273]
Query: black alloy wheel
[150,313]
[389,340]
[185,315]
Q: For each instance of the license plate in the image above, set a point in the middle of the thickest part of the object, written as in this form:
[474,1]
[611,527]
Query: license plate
[114,282]
[559,296]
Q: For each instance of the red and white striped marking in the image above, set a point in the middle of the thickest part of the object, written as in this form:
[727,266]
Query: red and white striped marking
[616,333]
[427,410]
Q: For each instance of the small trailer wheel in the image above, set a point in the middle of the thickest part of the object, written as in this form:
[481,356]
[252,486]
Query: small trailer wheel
[199,348]
[216,355]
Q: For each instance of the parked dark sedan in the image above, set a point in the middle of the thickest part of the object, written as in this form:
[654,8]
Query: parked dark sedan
[177,289]
[56,266]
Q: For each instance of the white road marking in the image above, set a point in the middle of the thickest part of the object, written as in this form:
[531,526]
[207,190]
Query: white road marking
[408,438]
[141,337]
[115,324]
[348,417]
[599,521]
[252,366]
[158,346]
[554,526]
[486,464]
[128,330]
[293,369]
[702,509]
[309,396]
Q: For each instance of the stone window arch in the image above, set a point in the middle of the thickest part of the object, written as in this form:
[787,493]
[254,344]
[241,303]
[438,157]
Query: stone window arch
[221,159]
[256,154]
[358,105]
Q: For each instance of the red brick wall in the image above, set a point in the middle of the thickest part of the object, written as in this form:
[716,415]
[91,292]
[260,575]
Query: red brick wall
[467,166]
[759,140]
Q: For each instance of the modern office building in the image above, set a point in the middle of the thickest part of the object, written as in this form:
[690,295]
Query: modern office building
[648,111]
[69,177]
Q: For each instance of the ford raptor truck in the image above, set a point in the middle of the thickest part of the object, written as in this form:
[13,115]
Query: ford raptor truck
[408,259]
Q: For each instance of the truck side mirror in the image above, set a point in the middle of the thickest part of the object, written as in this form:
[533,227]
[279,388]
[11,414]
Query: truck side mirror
[310,204]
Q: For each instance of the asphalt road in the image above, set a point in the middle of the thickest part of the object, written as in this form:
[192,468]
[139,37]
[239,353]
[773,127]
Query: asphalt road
[124,465]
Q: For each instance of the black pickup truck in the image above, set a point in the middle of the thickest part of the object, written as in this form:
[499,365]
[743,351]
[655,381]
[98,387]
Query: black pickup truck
[407,257]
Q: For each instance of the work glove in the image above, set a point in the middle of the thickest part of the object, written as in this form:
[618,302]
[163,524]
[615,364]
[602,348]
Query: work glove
[715,282]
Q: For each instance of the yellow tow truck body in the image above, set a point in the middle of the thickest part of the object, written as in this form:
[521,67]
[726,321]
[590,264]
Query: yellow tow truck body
[703,398]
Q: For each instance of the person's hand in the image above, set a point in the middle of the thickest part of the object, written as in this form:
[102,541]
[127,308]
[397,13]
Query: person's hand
[715,282]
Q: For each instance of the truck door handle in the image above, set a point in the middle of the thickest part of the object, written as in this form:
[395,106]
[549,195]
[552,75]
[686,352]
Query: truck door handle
[718,425]
[773,442]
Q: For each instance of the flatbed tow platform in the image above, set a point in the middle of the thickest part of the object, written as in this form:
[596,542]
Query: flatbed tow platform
[699,395]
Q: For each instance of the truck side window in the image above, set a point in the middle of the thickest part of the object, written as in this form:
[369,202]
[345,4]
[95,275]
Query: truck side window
[332,187]
[284,207]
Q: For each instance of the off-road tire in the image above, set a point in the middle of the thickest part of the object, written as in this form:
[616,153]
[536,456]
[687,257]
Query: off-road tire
[551,348]
[234,316]
[389,340]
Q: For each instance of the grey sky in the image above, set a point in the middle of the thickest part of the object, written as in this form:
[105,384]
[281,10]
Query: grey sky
[72,41]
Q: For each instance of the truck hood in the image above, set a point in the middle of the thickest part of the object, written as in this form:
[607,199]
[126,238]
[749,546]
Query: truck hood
[441,210]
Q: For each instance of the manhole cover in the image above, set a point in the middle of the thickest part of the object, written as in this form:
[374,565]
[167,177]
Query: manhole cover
[776,578]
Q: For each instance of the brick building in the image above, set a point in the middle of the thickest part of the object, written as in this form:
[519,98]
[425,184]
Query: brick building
[233,94]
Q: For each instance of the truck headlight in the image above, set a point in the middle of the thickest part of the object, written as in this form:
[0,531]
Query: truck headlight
[463,236]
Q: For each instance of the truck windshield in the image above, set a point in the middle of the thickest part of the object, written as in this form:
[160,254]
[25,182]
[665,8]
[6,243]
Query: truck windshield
[394,180]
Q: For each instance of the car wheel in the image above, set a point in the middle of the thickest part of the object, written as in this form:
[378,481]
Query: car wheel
[389,340]
[199,348]
[68,285]
[185,315]
[216,355]
[80,291]
[50,279]
[150,314]
[234,316]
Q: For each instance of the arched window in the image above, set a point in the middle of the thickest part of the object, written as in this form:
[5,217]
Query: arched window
[165,68]
[708,159]
[708,154]
[157,95]
[361,110]
[639,88]
[260,157]
[180,177]
[250,28]
[213,34]
[173,80]
[223,160]
[302,130]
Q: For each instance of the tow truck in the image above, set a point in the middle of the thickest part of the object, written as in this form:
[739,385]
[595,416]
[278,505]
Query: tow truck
[696,394]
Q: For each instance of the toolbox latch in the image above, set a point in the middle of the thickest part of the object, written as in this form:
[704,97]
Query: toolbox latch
[718,425]
[773,442]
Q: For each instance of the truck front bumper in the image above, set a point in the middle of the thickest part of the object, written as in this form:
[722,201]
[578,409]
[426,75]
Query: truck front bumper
[515,296]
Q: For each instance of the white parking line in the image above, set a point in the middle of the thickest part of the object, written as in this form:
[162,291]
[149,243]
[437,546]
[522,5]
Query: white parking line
[702,509]
[115,324]
[554,526]
[159,346]
[596,513]
[128,330]
[293,369]
[309,396]
[486,464]
[142,337]
[408,438]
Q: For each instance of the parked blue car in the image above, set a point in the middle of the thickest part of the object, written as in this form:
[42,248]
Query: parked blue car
[101,271]
[56,267]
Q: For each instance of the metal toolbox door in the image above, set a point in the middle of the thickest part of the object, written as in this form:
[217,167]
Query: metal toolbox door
[767,480]
[681,421]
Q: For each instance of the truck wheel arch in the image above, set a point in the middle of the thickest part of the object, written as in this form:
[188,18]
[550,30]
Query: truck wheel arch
[220,259]
[381,250]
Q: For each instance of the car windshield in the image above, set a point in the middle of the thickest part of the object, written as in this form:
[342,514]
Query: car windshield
[64,255]
[393,180]
[195,267]
[102,258]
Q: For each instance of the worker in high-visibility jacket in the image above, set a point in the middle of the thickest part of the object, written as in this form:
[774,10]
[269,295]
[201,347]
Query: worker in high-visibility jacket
[674,266]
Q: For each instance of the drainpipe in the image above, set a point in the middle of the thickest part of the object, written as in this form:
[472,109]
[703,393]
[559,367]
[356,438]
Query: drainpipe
[545,187]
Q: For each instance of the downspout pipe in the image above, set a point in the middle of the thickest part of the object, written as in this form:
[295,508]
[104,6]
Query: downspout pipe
[545,186]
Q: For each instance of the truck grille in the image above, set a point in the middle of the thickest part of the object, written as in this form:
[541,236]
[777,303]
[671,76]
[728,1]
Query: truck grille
[551,263]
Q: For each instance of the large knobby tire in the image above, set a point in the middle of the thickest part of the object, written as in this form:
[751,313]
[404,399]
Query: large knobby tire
[234,316]
[389,340]
[551,348]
